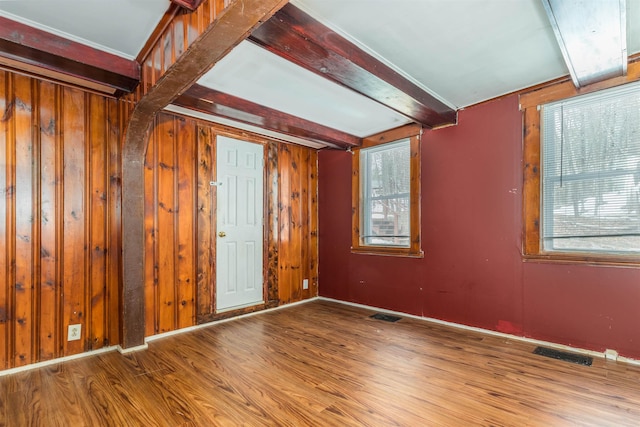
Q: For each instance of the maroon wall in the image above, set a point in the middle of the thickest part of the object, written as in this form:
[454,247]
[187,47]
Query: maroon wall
[472,272]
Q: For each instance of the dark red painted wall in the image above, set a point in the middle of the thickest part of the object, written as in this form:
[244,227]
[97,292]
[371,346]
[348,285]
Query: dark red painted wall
[473,272]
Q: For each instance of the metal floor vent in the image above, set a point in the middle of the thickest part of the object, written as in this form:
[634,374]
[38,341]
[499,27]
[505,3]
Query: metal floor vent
[385,317]
[563,355]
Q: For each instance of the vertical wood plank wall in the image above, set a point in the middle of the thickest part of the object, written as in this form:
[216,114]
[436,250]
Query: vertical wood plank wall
[59,219]
[172,41]
[298,222]
[180,222]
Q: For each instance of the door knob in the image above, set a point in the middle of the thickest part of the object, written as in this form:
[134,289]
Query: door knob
[222,234]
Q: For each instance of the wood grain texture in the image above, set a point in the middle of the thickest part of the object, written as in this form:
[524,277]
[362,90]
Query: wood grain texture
[297,219]
[299,38]
[324,363]
[150,232]
[75,240]
[180,263]
[24,262]
[227,25]
[60,195]
[186,223]
[50,156]
[6,214]
[273,236]
[204,99]
[38,49]
[205,227]
[171,188]
[531,183]
[97,226]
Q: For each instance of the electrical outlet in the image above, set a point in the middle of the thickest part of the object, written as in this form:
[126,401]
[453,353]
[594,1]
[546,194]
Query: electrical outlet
[305,284]
[611,354]
[74,332]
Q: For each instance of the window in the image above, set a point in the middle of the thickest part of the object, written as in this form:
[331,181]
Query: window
[582,173]
[386,195]
[591,173]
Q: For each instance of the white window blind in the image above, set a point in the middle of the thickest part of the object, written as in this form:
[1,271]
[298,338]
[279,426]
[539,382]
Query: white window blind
[591,173]
[386,194]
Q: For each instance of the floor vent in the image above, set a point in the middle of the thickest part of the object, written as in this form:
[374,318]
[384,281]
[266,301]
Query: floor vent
[385,317]
[563,355]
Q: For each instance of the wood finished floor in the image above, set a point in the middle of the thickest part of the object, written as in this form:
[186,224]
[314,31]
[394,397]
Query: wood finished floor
[323,363]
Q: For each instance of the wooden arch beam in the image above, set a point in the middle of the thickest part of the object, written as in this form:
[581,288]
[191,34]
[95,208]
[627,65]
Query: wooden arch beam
[232,26]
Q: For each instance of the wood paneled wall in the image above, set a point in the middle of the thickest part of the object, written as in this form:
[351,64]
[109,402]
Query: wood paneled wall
[59,219]
[169,43]
[180,222]
[170,232]
[298,222]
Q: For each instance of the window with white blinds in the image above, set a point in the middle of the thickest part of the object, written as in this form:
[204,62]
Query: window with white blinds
[591,173]
[386,194]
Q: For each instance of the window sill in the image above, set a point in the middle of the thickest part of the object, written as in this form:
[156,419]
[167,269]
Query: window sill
[386,251]
[631,261]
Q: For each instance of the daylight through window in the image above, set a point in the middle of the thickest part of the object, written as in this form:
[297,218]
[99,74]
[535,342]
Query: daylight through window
[386,194]
[591,173]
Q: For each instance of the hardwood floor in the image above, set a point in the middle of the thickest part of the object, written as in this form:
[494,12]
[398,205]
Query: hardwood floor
[323,363]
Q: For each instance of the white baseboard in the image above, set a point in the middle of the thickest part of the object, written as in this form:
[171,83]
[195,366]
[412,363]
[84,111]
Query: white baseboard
[45,363]
[144,346]
[133,349]
[490,332]
[228,319]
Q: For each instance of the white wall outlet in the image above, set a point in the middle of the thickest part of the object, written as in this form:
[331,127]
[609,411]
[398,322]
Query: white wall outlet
[74,332]
[305,284]
[610,354]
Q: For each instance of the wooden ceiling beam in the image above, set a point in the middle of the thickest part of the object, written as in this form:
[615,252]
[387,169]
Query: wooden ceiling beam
[22,44]
[188,4]
[210,101]
[297,37]
[229,28]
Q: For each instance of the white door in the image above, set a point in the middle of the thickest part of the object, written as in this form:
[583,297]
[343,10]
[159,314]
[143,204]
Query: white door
[239,237]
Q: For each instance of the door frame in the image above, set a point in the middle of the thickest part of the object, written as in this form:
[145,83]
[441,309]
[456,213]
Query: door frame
[208,313]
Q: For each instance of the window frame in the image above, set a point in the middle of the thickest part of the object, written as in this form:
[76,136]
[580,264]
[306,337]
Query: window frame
[530,103]
[412,132]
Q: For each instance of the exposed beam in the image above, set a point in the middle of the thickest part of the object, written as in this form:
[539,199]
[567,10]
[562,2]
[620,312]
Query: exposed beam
[220,104]
[188,4]
[233,25]
[22,44]
[592,36]
[299,38]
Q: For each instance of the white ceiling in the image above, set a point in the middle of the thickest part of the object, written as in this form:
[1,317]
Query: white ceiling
[120,27]
[252,73]
[462,51]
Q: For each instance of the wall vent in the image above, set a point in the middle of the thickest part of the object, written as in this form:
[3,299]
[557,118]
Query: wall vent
[563,355]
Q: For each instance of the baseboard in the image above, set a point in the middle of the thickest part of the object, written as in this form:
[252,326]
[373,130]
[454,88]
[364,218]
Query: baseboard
[592,353]
[46,363]
[133,349]
[144,346]
[228,319]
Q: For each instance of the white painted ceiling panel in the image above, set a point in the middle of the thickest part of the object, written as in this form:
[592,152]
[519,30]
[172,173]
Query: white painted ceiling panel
[465,51]
[461,51]
[252,73]
[121,27]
